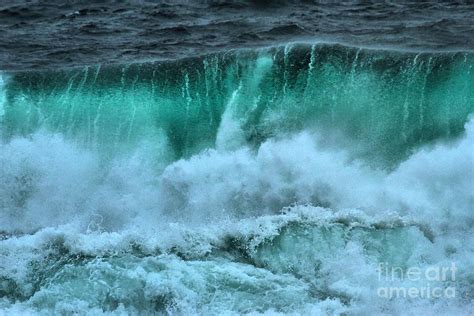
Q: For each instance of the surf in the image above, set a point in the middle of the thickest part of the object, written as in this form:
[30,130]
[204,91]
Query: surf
[236,182]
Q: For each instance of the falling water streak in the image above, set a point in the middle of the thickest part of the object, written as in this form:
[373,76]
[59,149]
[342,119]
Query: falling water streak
[354,65]
[64,99]
[122,79]
[76,95]
[311,65]
[467,85]
[310,74]
[187,95]
[97,71]
[207,87]
[286,56]
[410,74]
[217,78]
[96,125]
[154,95]
[134,110]
[121,122]
[352,76]
[3,99]
[422,99]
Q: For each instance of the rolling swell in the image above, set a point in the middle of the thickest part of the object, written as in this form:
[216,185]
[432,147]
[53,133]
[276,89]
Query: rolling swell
[386,102]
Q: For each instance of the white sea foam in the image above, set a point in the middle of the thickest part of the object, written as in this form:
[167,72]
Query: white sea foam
[60,193]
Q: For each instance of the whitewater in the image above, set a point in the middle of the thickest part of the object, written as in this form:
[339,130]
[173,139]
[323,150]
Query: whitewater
[267,181]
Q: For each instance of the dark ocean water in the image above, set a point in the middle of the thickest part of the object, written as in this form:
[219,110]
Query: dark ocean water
[45,34]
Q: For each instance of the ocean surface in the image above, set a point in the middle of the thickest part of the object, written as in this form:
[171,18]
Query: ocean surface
[229,158]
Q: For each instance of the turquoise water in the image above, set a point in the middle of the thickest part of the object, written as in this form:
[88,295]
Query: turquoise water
[389,101]
[269,181]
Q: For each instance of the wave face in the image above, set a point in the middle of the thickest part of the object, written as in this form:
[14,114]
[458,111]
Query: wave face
[237,182]
[390,102]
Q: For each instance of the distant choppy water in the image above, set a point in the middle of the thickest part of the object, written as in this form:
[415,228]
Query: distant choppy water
[44,34]
[297,176]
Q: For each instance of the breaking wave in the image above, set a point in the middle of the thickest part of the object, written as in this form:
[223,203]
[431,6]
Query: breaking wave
[237,183]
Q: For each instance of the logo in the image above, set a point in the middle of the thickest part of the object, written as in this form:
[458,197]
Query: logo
[429,282]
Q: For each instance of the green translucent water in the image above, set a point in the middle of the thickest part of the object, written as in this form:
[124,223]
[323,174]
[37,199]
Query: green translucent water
[386,102]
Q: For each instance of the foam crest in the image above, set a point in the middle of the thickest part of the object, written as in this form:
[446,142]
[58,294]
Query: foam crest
[50,181]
